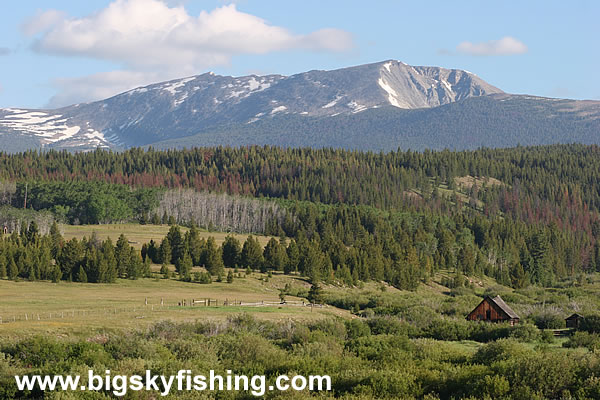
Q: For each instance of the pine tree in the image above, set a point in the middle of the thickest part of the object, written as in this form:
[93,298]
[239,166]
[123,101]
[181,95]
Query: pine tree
[165,251]
[293,258]
[184,267]
[230,277]
[177,244]
[70,258]
[275,256]
[195,245]
[213,258]
[57,240]
[252,255]
[2,265]
[122,256]
[146,270]
[108,262]
[134,266]
[315,294]
[12,271]
[55,274]
[231,249]
[81,275]
[164,270]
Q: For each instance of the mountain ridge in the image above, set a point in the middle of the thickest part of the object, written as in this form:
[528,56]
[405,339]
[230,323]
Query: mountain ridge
[182,109]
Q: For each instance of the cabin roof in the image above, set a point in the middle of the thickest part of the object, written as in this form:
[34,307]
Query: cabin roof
[574,316]
[504,307]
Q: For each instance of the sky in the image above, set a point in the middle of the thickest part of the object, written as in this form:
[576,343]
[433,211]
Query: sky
[62,52]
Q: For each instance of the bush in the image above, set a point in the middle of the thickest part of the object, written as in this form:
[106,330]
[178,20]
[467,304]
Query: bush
[590,324]
[590,341]
[356,328]
[548,321]
[446,329]
[500,350]
[525,333]
[38,350]
[391,326]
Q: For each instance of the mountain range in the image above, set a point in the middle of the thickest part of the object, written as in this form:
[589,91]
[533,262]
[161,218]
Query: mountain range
[379,106]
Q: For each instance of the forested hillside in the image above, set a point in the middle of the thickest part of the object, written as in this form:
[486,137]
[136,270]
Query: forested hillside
[526,215]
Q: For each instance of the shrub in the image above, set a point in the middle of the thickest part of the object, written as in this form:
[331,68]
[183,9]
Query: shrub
[447,329]
[502,349]
[356,328]
[38,350]
[590,341]
[525,333]
[548,320]
[590,324]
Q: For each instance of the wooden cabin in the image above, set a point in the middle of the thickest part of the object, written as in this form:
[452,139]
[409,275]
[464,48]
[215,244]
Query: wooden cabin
[493,310]
[573,321]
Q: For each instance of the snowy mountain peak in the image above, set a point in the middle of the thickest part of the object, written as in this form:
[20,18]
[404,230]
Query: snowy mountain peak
[183,107]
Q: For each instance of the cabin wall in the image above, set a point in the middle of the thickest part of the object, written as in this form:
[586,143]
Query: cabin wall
[486,312]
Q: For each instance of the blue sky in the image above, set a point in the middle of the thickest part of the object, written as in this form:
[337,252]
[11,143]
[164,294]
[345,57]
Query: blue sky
[54,53]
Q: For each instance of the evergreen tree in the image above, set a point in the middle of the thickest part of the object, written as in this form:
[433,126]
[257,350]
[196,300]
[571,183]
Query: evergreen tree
[122,256]
[153,251]
[230,277]
[165,251]
[231,249]
[57,240]
[134,267]
[81,275]
[213,259]
[274,255]
[164,270]
[70,259]
[12,270]
[195,245]
[184,267]
[55,274]
[293,258]
[315,294]
[252,255]
[177,243]
[108,263]
[2,265]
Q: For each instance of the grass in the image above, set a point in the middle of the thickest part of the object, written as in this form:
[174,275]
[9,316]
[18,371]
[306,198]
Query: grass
[79,308]
[140,234]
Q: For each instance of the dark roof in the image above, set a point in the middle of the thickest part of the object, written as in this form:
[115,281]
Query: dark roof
[575,316]
[504,307]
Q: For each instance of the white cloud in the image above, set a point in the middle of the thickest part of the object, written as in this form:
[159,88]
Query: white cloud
[151,33]
[4,51]
[154,39]
[41,21]
[503,47]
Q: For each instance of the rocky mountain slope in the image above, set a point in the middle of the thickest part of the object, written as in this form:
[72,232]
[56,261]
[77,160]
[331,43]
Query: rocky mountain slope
[344,107]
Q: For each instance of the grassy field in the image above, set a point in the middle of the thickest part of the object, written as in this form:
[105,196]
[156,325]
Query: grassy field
[76,308]
[140,234]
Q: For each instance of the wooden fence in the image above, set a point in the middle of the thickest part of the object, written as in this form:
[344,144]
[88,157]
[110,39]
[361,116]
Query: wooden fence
[148,307]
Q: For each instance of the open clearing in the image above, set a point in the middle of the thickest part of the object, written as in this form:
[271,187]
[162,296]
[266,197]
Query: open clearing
[140,234]
[69,308]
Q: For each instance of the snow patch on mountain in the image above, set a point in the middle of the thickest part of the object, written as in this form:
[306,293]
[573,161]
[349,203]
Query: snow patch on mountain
[172,87]
[49,128]
[392,95]
[278,109]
